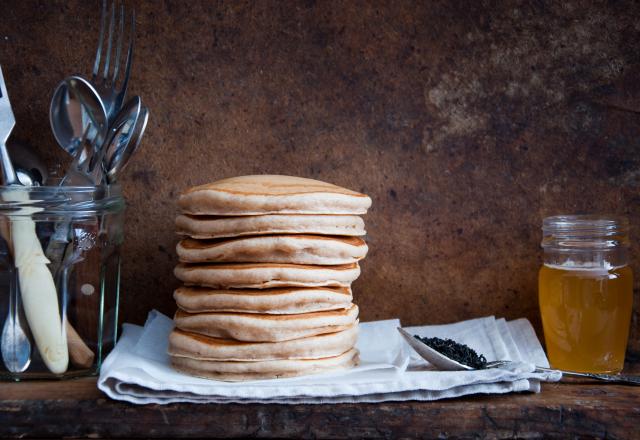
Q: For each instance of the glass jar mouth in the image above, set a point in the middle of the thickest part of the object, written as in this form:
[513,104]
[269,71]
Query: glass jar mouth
[60,200]
[585,231]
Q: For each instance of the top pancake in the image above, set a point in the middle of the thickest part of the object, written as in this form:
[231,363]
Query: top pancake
[271,194]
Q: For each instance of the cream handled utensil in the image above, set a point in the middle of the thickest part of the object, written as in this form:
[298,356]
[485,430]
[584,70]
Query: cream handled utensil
[38,291]
[31,173]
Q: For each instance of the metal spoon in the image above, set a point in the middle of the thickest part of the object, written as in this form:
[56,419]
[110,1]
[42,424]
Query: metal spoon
[75,106]
[443,362]
[122,132]
[15,345]
[432,356]
[118,157]
[30,168]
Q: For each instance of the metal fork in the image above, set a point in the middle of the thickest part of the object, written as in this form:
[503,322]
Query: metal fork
[103,78]
[78,173]
[7,122]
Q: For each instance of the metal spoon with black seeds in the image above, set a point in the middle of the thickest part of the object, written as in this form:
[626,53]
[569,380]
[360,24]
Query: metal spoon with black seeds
[455,356]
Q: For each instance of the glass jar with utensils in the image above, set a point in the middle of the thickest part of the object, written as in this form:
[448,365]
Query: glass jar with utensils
[59,279]
[60,243]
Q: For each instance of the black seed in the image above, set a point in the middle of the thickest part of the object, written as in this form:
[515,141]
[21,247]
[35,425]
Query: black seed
[458,352]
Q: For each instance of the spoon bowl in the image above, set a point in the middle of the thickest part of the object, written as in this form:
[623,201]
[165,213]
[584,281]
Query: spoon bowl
[16,347]
[75,106]
[119,159]
[432,356]
[123,131]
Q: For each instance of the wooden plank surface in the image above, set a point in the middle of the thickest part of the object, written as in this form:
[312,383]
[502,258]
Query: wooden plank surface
[77,409]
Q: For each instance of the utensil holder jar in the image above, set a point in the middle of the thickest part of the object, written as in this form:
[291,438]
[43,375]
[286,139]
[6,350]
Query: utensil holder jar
[60,264]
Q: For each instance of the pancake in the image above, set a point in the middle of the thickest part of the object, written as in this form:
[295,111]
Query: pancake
[194,346]
[272,301]
[296,249]
[265,328]
[265,275]
[219,227]
[239,371]
[271,194]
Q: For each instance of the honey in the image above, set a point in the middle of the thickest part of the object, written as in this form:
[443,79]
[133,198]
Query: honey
[585,315]
[585,291]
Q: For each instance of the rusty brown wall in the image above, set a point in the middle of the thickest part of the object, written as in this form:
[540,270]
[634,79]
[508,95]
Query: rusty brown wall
[466,122]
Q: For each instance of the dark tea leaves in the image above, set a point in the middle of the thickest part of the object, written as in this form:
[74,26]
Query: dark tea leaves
[458,352]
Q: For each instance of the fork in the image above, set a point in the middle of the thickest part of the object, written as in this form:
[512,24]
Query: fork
[7,122]
[103,78]
[78,173]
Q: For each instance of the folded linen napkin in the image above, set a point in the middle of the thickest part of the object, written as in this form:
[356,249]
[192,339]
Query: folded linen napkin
[138,369]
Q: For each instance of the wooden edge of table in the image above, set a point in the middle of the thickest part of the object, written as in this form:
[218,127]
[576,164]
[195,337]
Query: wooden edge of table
[76,408]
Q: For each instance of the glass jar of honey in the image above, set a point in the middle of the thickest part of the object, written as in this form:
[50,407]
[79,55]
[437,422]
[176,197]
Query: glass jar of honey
[585,291]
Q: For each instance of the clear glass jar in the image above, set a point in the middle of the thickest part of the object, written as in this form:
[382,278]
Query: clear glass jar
[59,279]
[585,291]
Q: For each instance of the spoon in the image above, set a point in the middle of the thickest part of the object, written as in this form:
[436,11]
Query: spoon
[16,347]
[124,131]
[118,159]
[432,356]
[76,106]
[14,343]
[30,168]
[443,362]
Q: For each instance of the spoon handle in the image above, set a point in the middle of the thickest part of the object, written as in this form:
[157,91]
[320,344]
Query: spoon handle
[614,378]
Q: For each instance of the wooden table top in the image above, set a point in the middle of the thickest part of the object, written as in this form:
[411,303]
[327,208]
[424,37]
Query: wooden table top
[77,408]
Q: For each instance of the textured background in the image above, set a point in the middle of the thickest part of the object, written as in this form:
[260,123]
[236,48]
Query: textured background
[466,122]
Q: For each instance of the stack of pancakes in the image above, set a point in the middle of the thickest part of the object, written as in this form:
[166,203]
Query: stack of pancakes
[267,265]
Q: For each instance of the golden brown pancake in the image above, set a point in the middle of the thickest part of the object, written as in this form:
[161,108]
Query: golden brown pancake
[271,194]
[266,275]
[242,371]
[255,327]
[204,226]
[196,346]
[294,249]
[287,300]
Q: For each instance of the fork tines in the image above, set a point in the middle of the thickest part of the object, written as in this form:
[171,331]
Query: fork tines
[107,64]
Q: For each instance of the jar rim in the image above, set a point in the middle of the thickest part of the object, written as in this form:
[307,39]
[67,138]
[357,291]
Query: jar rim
[585,233]
[585,223]
[61,200]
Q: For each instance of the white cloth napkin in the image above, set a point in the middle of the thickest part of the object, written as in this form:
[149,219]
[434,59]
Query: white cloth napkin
[138,370]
